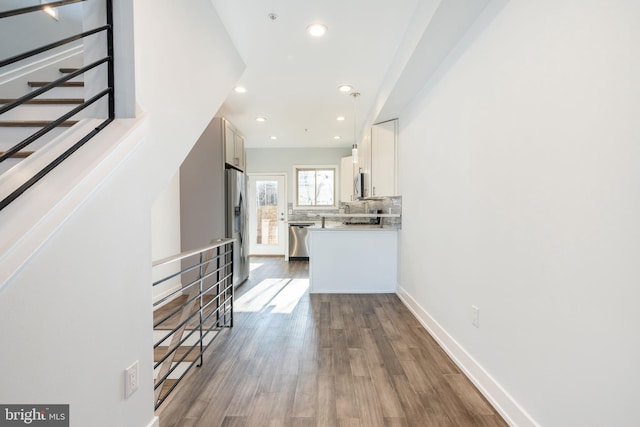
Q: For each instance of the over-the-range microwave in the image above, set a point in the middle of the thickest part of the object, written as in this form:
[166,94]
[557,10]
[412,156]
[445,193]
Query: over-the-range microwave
[358,185]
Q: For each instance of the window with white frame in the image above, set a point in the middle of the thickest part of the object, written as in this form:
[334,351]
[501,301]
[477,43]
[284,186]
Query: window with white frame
[315,186]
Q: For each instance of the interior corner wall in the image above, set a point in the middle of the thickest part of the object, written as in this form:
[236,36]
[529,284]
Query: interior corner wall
[186,65]
[519,176]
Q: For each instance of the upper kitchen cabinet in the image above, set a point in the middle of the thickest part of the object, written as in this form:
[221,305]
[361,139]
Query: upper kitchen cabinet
[384,138]
[346,179]
[233,146]
[364,165]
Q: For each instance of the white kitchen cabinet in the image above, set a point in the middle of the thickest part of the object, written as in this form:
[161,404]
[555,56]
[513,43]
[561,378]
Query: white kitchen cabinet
[364,164]
[383,158]
[346,179]
[233,146]
[239,151]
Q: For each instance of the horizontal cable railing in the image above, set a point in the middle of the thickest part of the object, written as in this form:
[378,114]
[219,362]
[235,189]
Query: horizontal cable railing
[15,151]
[184,319]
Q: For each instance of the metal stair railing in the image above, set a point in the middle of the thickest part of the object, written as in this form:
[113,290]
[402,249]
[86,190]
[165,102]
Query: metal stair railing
[208,308]
[106,92]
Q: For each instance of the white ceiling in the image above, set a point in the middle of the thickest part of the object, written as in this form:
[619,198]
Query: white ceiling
[386,49]
[293,78]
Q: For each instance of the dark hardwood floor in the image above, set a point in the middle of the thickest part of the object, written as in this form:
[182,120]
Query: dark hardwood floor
[294,359]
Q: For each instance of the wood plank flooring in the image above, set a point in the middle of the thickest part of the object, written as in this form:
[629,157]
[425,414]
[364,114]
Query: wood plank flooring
[294,359]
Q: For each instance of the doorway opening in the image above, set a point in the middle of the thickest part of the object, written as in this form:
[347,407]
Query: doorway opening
[267,217]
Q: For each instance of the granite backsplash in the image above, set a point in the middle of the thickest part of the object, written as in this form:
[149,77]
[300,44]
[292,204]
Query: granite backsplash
[387,205]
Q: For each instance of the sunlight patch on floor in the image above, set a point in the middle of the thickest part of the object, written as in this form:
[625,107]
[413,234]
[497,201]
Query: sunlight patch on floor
[258,297]
[254,265]
[286,301]
[277,295]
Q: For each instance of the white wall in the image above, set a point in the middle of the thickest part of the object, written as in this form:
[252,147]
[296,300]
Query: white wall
[165,232]
[284,159]
[80,313]
[36,29]
[33,30]
[519,175]
[80,303]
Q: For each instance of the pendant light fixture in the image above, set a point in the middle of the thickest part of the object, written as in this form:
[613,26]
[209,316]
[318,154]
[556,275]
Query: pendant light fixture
[354,147]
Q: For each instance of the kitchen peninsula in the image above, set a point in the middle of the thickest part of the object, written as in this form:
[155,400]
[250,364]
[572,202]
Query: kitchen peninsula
[359,258]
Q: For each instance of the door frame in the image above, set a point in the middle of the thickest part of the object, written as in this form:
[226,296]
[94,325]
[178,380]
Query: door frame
[251,199]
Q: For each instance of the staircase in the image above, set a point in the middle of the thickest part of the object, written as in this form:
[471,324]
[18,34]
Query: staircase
[182,358]
[27,130]
[27,119]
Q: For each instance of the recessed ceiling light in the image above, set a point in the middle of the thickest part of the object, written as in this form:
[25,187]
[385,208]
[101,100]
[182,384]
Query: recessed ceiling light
[50,11]
[261,119]
[337,137]
[340,118]
[345,88]
[273,137]
[240,89]
[317,30]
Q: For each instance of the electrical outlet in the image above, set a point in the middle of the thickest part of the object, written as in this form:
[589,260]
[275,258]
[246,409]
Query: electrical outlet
[475,316]
[131,380]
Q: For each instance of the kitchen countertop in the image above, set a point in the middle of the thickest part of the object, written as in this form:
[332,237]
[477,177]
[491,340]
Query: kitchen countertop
[343,227]
[378,216]
[339,226]
[354,215]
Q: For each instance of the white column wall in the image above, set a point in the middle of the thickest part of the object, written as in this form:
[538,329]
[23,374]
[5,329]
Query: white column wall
[519,171]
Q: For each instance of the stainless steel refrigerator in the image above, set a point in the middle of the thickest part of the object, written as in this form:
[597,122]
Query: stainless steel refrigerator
[238,223]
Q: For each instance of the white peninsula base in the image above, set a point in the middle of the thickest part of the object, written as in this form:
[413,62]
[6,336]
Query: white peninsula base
[353,260]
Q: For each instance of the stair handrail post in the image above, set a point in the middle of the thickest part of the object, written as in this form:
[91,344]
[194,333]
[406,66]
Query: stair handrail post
[232,290]
[110,54]
[201,279]
[218,266]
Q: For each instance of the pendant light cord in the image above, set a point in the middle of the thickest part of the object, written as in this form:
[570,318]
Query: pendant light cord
[354,147]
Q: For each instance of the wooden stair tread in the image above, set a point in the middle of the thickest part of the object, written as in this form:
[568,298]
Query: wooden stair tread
[46,101]
[34,123]
[168,383]
[19,154]
[65,84]
[171,306]
[159,352]
[67,70]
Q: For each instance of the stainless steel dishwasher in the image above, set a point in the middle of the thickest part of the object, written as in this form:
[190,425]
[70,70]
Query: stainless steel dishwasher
[298,234]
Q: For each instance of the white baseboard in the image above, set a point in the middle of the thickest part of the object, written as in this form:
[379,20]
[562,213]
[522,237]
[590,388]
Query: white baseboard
[155,422]
[506,406]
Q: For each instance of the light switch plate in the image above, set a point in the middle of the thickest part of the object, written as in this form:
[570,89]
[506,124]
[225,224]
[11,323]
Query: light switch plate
[475,316]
